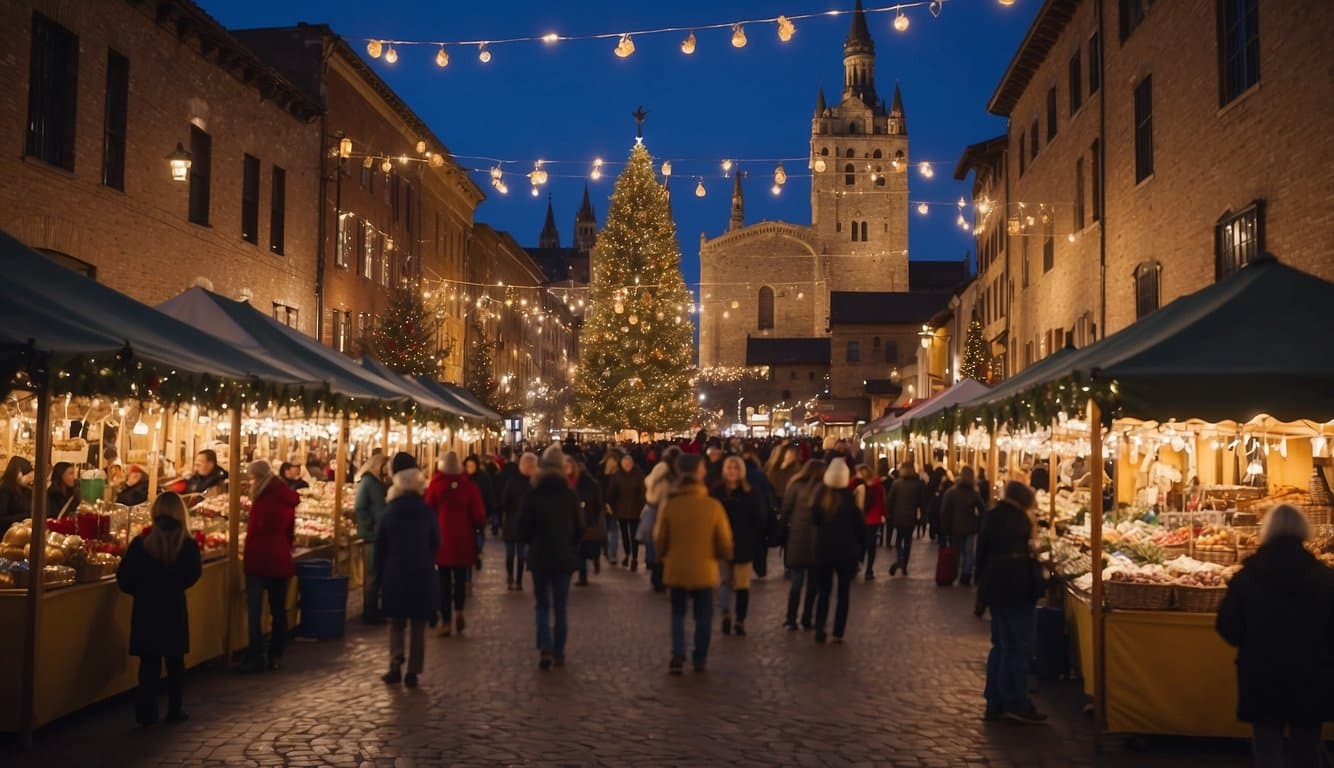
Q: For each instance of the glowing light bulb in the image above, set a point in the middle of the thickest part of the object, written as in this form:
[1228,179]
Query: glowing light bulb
[785,29]
[667,168]
[926,170]
[923,208]
[625,47]
[776,189]
[421,147]
[727,167]
[386,166]
[821,165]
[738,36]
[780,176]
[374,49]
[534,191]
[496,173]
[391,55]
[441,58]
[1070,237]
[550,38]
[699,189]
[688,44]
[901,22]
[140,428]
[483,53]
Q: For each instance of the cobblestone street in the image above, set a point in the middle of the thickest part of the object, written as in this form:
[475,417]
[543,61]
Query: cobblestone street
[903,691]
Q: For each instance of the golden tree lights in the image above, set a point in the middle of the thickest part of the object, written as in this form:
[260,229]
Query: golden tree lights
[633,373]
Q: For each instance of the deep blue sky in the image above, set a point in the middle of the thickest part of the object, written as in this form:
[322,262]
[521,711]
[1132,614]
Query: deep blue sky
[573,100]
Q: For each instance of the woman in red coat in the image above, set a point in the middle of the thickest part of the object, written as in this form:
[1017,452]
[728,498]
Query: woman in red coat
[268,561]
[870,496]
[457,502]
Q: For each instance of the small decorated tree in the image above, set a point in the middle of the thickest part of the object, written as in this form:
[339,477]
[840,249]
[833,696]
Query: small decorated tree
[480,369]
[405,336]
[976,362]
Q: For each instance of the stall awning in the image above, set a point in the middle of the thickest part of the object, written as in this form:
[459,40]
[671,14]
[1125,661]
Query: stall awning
[424,397]
[919,416]
[463,397]
[50,310]
[248,329]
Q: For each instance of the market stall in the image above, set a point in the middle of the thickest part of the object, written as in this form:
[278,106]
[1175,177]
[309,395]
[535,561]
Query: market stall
[1217,384]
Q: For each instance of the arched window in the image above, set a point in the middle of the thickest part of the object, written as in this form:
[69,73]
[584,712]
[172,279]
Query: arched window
[854,352]
[849,175]
[766,318]
[824,151]
[879,177]
[850,153]
[1146,287]
[876,154]
[875,343]
[852,127]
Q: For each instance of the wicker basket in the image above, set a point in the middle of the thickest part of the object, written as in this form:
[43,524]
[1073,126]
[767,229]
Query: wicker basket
[1133,596]
[1199,599]
[1317,514]
[1220,555]
[1171,553]
[1245,552]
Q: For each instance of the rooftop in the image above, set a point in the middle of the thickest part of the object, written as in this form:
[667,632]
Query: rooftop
[766,350]
[885,308]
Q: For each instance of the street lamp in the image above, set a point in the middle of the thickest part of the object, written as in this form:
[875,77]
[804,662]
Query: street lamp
[180,163]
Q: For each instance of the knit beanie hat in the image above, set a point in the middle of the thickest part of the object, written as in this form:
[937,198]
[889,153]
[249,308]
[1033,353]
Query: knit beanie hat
[401,462]
[837,475]
[553,458]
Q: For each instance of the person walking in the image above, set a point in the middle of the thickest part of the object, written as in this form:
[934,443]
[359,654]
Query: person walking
[626,496]
[369,504]
[610,466]
[906,506]
[457,502]
[747,521]
[840,546]
[472,467]
[692,535]
[405,546]
[269,537]
[518,483]
[656,487]
[1279,615]
[593,516]
[800,552]
[870,497]
[961,511]
[1009,586]
[551,527]
[157,570]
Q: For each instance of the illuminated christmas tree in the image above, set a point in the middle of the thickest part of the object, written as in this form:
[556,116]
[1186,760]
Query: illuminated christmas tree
[976,362]
[480,378]
[404,338]
[637,351]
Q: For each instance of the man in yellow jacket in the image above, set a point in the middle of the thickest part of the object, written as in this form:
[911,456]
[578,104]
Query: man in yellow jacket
[691,536]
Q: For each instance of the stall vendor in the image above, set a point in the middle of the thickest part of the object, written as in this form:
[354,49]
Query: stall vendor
[136,487]
[207,474]
[291,474]
[63,495]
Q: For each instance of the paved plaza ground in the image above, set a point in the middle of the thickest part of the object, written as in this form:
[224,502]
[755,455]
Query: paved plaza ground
[904,690]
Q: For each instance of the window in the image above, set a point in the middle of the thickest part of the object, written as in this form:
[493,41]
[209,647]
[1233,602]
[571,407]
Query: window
[892,352]
[875,344]
[880,179]
[368,238]
[1238,47]
[1095,171]
[395,197]
[766,318]
[1095,65]
[1146,288]
[278,211]
[1144,129]
[824,152]
[250,198]
[288,316]
[1048,243]
[340,328]
[116,115]
[852,127]
[849,175]
[856,231]
[854,352]
[1033,140]
[876,154]
[53,81]
[1079,194]
[343,249]
[1023,156]
[1076,83]
[201,163]
[1024,258]
[850,153]
[1051,113]
[1132,14]
[387,267]
[1238,239]
[366,176]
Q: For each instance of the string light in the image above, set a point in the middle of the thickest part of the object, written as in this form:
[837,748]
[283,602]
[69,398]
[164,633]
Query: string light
[596,173]
[688,44]
[922,208]
[483,53]
[785,29]
[926,170]
[391,55]
[901,22]
[441,58]
[374,49]
[625,47]
[667,168]
[550,38]
[820,165]
[699,189]
[727,167]
[386,166]
[780,176]
[738,36]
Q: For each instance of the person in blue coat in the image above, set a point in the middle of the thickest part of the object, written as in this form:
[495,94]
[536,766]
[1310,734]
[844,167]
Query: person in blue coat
[405,544]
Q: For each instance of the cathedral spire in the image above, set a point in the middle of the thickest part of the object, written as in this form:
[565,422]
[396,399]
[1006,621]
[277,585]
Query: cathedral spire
[738,204]
[820,103]
[549,238]
[585,225]
[859,36]
[859,61]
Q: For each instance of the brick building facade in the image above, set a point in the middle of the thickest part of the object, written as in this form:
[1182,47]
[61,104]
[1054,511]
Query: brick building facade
[1151,151]
[101,92]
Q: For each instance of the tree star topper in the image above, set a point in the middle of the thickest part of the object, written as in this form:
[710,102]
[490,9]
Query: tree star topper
[639,115]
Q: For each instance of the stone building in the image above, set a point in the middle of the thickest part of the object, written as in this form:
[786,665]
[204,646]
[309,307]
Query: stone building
[1152,150]
[399,209]
[101,91]
[562,264]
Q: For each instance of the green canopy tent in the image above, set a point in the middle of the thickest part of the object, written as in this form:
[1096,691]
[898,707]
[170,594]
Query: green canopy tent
[463,397]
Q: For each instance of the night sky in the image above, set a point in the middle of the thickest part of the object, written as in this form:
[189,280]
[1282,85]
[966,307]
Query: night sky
[573,100]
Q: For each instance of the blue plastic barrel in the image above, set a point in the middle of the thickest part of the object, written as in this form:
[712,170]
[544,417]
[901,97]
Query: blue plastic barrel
[323,606]
[314,567]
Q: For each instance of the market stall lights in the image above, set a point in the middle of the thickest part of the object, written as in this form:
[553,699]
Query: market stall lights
[180,163]
[386,165]
[344,148]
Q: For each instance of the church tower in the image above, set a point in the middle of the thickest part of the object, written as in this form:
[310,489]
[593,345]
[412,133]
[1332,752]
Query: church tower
[738,219]
[585,226]
[859,185]
[549,238]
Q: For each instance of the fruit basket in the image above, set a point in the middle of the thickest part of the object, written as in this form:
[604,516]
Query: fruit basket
[1138,596]
[1198,599]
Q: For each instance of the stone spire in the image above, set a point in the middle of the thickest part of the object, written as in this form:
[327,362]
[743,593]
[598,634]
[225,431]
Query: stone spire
[820,106]
[738,204]
[585,225]
[549,238]
[859,61]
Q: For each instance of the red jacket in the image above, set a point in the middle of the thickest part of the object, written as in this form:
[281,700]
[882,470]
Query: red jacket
[270,532]
[875,502]
[457,502]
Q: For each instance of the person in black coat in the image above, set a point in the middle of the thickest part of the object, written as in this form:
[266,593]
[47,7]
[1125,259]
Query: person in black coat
[406,541]
[472,467]
[840,546]
[517,483]
[156,571]
[593,516]
[1010,584]
[551,526]
[63,495]
[15,492]
[135,491]
[1279,614]
[742,503]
